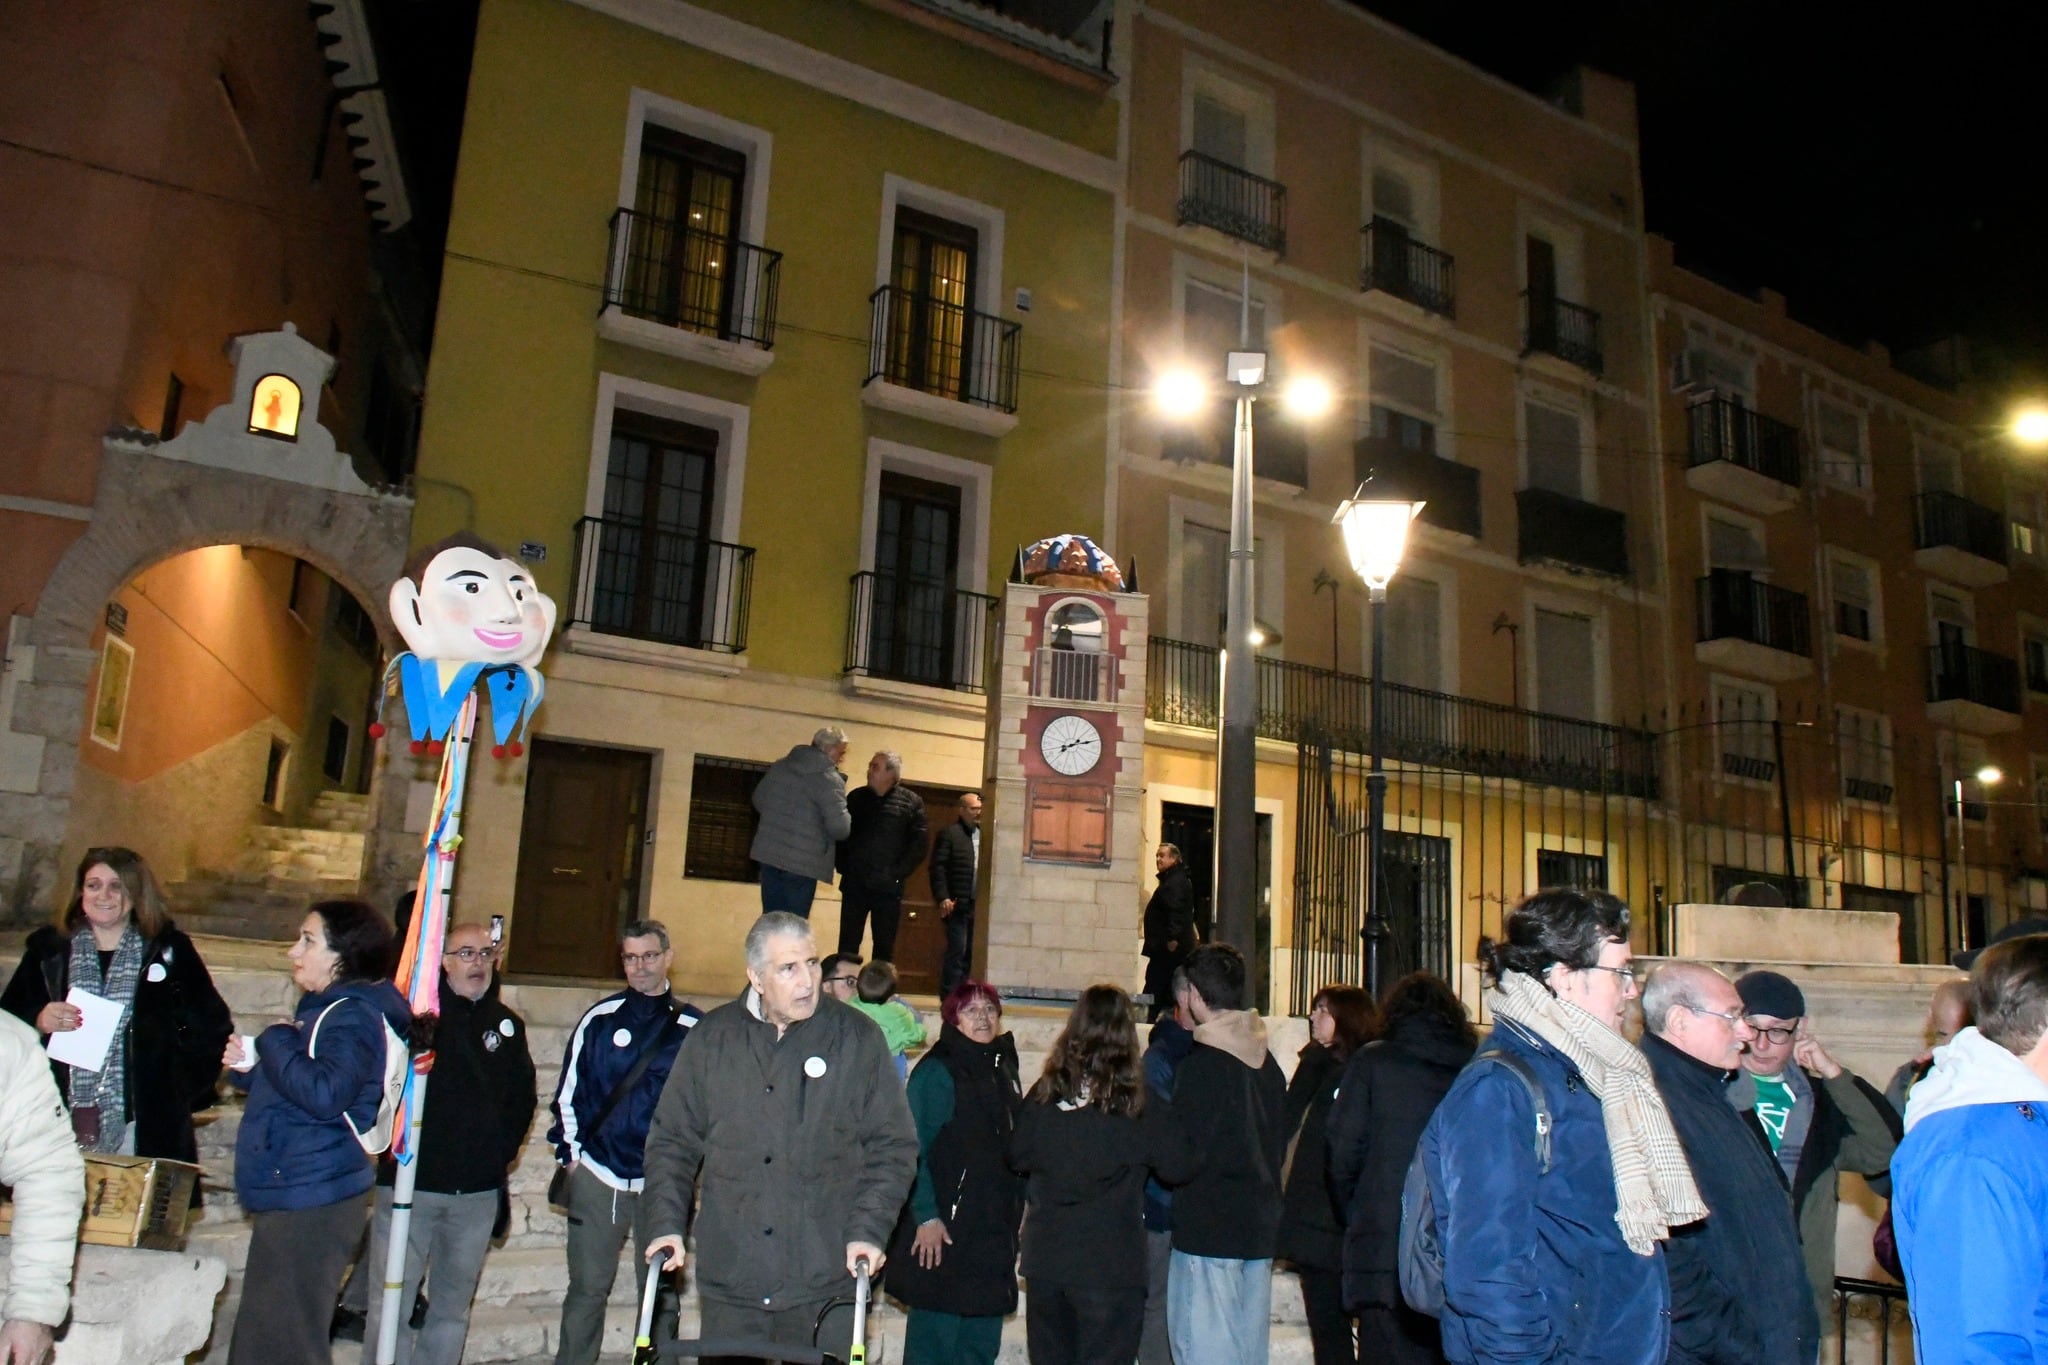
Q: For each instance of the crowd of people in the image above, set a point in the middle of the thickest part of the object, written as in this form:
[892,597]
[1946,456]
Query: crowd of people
[1565,1190]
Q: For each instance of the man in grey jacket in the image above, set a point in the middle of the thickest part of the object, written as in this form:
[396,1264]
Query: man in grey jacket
[39,1158]
[802,803]
[787,1104]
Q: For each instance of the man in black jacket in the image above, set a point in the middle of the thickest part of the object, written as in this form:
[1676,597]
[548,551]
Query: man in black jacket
[1738,1279]
[1228,1097]
[480,1106]
[787,1104]
[885,845]
[956,856]
[1169,928]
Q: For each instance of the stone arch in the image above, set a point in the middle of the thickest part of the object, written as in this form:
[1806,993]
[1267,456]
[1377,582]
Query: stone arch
[150,507]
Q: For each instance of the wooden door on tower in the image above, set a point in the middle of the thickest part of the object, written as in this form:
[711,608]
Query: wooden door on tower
[580,846]
[921,933]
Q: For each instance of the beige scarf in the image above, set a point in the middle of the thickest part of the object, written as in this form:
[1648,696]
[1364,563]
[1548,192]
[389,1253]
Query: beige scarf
[1653,1185]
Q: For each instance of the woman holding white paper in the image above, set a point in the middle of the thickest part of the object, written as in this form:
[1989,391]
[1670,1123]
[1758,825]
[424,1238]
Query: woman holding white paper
[115,941]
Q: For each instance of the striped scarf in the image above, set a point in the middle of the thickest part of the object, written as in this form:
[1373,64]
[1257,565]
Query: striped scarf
[108,1088]
[1653,1185]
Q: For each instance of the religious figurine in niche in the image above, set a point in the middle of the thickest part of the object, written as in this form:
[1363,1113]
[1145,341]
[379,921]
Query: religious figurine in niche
[473,618]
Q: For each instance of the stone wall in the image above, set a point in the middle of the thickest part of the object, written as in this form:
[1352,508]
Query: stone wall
[177,1291]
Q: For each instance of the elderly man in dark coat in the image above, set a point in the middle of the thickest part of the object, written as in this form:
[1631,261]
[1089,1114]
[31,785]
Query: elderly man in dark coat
[888,839]
[1738,1280]
[1169,928]
[787,1104]
[801,800]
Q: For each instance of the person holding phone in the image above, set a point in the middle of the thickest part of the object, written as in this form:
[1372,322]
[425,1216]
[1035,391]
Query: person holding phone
[1818,1118]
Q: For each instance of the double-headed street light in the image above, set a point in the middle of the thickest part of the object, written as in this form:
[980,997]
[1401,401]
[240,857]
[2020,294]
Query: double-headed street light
[1183,394]
[1375,536]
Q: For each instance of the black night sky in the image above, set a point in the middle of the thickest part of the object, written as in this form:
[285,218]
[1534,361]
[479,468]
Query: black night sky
[1883,166]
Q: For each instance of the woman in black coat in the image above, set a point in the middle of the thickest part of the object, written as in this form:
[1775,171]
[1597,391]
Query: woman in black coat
[116,940]
[1340,1019]
[1169,927]
[1389,1089]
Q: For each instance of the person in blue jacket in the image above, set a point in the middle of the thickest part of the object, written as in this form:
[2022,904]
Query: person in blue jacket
[300,1171]
[1970,1182]
[1563,1264]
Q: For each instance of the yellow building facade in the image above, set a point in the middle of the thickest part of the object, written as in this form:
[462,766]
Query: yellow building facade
[769,331]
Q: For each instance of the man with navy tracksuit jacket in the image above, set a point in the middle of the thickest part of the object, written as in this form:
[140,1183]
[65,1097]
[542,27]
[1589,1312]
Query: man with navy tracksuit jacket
[604,1159]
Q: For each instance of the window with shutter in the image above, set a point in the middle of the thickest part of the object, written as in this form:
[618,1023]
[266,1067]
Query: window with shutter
[1742,718]
[1855,600]
[1865,740]
[1415,632]
[722,820]
[2041,796]
[1393,197]
[1210,319]
[1565,666]
[1941,470]
[1838,432]
[1556,452]
[1734,545]
[1221,131]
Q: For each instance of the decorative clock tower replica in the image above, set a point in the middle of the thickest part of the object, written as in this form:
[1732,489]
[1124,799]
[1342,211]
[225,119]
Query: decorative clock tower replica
[1065,773]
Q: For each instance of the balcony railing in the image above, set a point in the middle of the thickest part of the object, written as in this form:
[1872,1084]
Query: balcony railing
[1967,673]
[1450,489]
[1569,331]
[1723,429]
[1182,687]
[1559,529]
[1950,519]
[918,632]
[936,347]
[1279,445]
[1397,264]
[1739,606]
[1230,199]
[698,281]
[666,586]
[1073,675]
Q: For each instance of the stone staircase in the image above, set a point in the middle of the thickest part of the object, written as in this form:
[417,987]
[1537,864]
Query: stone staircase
[1873,1013]
[264,895]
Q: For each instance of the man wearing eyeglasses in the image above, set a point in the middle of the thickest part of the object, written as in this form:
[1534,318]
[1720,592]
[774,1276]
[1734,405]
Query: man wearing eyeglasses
[1738,1279]
[841,976]
[482,1104]
[618,1060]
[1817,1117]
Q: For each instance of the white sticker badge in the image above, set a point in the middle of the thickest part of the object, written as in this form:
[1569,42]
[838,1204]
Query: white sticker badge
[156,972]
[814,1067]
[507,1027]
[622,1038]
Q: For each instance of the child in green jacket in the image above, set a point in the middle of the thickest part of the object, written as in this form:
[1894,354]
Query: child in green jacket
[901,1029]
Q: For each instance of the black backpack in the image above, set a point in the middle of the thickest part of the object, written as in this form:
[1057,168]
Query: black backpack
[1420,1260]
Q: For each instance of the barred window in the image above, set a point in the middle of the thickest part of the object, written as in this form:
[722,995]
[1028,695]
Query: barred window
[1583,871]
[722,820]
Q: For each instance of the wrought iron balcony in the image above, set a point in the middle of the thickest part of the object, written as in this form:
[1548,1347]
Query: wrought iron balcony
[664,272]
[1182,685]
[665,586]
[1279,444]
[1569,331]
[1739,606]
[1948,519]
[1233,201]
[1397,264]
[1556,528]
[917,632]
[927,344]
[1450,489]
[1723,430]
[1965,673]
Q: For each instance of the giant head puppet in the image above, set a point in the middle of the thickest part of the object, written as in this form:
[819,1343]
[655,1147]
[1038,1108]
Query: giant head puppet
[473,619]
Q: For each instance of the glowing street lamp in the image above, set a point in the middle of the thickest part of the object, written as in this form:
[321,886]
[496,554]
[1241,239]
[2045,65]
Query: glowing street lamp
[1987,776]
[1375,536]
[2030,426]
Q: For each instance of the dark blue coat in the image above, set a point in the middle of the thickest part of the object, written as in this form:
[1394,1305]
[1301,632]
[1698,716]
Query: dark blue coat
[602,1050]
[295,1149]
[1534,1265]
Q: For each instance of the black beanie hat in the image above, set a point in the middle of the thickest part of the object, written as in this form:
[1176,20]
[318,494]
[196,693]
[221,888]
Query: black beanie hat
[1772,994]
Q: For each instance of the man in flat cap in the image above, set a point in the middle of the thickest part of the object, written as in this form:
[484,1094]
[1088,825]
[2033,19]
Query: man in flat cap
[1817,1117]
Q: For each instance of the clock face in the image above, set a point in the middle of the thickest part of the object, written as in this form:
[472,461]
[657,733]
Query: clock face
[1071,744]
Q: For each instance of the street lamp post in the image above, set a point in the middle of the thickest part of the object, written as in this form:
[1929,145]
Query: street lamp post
[1986,776]
[1182,393]
[1375,534]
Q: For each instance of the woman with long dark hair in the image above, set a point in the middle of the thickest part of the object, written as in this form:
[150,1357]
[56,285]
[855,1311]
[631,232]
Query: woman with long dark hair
[300,1170]
[1340,1020]
[1553,1236]
[953,1260]
[115,939]
[1385,1096]
[1086,1138]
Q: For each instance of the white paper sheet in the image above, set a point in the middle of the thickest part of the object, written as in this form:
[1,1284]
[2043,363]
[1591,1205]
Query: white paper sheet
[86,1046]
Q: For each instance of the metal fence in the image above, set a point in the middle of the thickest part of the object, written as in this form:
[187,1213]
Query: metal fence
[925,343]
[1230,199]
[1869,1317]
[669,587]
[1569,331]
[1397,264]
[705,282]
[918,632]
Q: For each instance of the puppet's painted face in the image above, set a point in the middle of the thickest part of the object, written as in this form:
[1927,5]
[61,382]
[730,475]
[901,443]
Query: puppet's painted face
[471,606]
